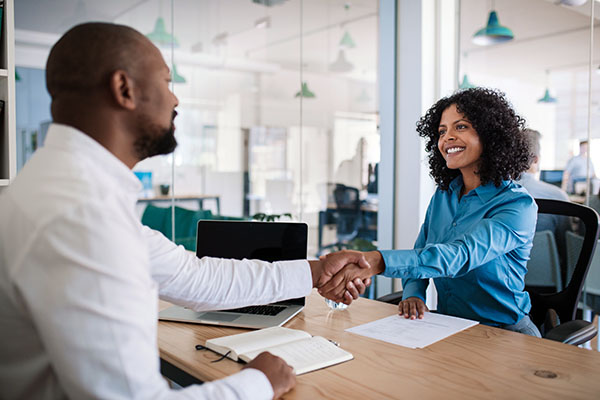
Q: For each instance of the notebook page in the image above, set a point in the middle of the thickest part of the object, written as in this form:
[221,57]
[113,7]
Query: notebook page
[256,340]
[305,355]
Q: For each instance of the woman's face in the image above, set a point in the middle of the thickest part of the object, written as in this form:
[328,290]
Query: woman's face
[459,142]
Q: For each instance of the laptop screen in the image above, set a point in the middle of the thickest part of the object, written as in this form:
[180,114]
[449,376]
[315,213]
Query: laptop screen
[267,241]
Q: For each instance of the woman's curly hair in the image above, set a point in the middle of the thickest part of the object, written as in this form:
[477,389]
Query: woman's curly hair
[506,153]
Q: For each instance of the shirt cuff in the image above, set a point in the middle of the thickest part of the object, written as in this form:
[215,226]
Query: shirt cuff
[299,276]
[400,263]
[250,383]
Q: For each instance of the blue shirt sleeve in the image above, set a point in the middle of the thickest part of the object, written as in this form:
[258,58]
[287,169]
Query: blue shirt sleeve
[508,226]
[412,287]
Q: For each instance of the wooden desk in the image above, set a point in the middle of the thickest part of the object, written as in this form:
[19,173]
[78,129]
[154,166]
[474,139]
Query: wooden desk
[478,363]
[186,197]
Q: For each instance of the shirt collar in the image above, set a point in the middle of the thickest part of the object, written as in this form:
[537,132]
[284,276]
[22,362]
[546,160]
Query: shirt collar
[73,140]
[484,192]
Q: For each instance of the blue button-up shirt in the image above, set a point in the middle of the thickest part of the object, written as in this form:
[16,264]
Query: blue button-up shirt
[476,248]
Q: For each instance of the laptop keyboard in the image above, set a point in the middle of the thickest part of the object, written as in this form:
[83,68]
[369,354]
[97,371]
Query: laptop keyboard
[258,310]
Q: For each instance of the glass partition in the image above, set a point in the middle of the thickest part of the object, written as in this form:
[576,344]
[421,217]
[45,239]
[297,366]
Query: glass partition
[277,108]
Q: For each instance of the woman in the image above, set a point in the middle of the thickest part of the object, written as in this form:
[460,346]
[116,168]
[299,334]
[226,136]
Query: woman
[479,226]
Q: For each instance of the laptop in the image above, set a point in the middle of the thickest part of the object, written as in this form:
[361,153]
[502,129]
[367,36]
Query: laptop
[267,241]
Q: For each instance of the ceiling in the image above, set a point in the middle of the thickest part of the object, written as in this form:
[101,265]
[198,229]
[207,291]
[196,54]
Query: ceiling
[547,36]
[198,25]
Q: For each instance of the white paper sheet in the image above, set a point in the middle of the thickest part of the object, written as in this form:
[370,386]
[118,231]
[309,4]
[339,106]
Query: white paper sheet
[415,333]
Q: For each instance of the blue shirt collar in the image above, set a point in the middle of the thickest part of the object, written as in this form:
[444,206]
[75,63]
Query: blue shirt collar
[484,192]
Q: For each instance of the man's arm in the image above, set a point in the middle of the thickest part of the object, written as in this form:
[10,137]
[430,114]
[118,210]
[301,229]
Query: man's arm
[92,300]
[213,283]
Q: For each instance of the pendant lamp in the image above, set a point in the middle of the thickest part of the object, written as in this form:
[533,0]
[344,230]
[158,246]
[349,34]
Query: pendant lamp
[493,32]
[341,64]
[176,77]
[465,84]
[160,35]
[305,92]
[347,41]
[547,98]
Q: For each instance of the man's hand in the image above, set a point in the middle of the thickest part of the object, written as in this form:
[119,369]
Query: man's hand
[329,265]
[281,375]
[346,278]
[412,307]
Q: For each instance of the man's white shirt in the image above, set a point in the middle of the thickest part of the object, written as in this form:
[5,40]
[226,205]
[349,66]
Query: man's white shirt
[80,275]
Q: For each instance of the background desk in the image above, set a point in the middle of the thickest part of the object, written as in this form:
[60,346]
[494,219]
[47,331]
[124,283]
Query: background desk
[191,197]
[481,362]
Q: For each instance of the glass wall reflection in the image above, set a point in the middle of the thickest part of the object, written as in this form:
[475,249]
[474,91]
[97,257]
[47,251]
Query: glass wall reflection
[277,116]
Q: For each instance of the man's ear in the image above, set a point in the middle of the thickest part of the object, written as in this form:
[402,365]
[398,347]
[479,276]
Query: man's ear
[122,89]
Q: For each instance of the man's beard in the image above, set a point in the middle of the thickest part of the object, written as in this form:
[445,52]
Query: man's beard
[154,140]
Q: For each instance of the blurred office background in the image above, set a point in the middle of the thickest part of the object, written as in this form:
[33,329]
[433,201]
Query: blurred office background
[308,107]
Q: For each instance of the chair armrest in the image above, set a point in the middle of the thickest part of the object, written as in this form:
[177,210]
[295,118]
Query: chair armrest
[392,298]
[574,332]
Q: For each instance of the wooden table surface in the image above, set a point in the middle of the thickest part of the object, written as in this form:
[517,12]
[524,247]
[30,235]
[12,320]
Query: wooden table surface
[479,363]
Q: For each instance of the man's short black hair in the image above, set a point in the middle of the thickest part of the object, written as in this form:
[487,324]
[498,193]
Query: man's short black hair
[86,55]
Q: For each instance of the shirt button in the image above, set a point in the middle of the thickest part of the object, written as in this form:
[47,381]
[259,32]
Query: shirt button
[454,224]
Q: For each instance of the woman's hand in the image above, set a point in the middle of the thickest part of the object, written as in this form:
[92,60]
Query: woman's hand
[412,307]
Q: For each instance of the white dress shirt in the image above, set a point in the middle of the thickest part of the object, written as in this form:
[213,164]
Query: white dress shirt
[79,277]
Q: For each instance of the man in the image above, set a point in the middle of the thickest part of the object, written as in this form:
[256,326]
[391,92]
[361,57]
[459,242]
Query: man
[541,190]
[576,169]
[79,274]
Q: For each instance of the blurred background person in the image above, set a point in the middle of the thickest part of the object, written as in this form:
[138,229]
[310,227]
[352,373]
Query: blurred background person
[576,169]
[543,190]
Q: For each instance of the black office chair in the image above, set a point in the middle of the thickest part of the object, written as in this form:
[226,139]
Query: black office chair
[347,217]
[554,313]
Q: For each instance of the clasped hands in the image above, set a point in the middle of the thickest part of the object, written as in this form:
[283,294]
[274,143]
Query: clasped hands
[343,276]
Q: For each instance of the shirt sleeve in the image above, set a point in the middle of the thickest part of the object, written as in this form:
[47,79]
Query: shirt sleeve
[412,287]
[509,226]
[216,284]
[87,287]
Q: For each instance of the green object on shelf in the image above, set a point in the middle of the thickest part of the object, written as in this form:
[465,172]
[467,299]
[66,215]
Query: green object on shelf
[17,76]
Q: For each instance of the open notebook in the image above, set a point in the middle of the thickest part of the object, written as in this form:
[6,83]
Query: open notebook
[299,349]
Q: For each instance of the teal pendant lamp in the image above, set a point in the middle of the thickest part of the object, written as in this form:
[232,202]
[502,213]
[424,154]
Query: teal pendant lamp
[160,35]
[347,41]
[305,92]
[465,84]
[493,32]
[175,76]
[547,98]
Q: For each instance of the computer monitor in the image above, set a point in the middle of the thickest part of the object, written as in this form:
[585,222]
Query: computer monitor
[553,177]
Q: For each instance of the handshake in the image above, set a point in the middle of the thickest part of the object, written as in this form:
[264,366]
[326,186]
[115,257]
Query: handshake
[343,276]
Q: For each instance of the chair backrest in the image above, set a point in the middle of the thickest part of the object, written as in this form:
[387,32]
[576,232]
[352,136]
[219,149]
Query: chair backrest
[543,268]
[565,301]
[346,197]
[592,282]
[348,218]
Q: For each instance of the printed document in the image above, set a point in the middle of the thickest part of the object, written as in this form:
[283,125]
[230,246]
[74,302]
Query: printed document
[413,333]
